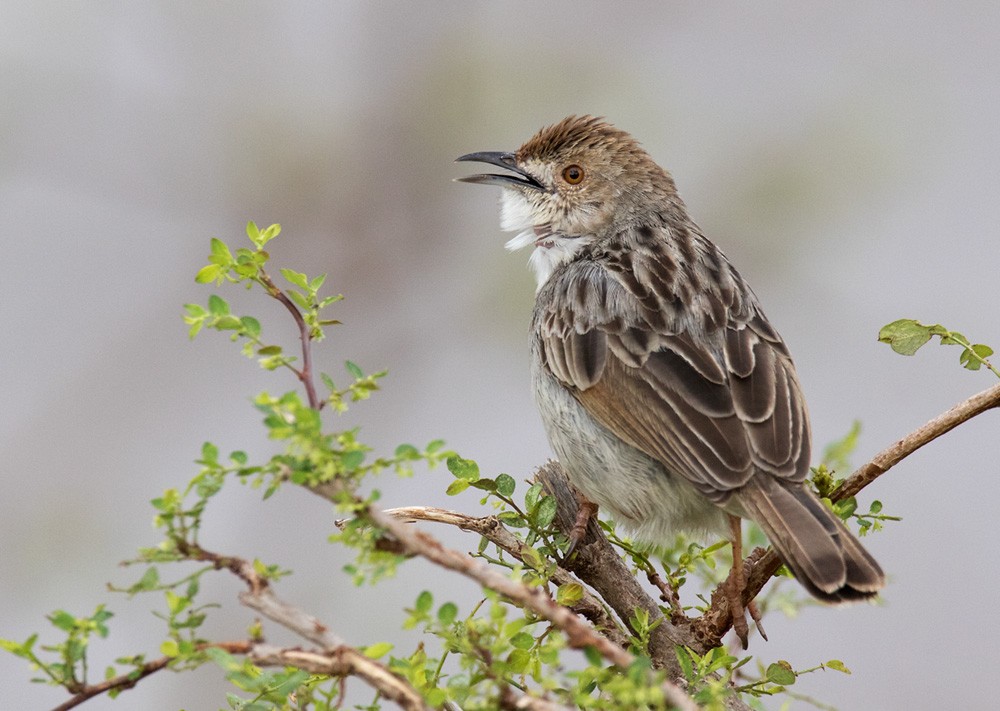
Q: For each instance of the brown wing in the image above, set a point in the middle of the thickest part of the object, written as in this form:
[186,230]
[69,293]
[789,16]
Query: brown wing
[715,408]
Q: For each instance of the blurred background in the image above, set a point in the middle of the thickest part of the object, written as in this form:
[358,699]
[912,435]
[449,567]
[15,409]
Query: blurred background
[844,156]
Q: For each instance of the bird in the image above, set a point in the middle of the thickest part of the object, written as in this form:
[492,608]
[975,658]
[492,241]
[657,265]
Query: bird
[665,392]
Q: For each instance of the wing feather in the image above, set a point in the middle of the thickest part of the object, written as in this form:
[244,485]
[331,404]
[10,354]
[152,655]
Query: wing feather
[714,405]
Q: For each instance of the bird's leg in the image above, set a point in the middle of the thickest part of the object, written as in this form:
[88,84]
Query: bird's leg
[586,509]
[735,585]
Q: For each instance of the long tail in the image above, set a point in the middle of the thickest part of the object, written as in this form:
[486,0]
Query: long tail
[824,556]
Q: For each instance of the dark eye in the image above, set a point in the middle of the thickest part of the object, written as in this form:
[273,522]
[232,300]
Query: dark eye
[573,174]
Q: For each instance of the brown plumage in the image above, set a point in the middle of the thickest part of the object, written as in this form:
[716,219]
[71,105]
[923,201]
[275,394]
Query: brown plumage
[666,394]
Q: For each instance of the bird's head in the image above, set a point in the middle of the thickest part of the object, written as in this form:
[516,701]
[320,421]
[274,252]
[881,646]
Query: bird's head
[579,178]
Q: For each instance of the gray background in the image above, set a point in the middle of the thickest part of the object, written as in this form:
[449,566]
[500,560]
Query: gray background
[845,157]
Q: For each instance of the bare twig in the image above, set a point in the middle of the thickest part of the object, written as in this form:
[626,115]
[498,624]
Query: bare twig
[942,424]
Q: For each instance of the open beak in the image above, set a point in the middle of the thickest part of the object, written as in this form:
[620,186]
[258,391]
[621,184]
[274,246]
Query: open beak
[503,160]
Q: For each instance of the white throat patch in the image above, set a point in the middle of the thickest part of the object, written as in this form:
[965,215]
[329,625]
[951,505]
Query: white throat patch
[552,250]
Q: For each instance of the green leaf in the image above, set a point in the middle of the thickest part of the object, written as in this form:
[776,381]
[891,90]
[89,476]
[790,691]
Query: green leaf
[217,306]
[169,648]
[594,657]
[354,370]
[463,468]
[221,252]
[546,512]
[447,613]
[251,326]
[379,649]
[297,278]
[269,350]
[352,460]
[254,233]
[63,620]
[780,673]
[512,519]
[838,665]
[424,601]
[522,640]
[457,487]
[208,273]
[228,322]
[149,580]
[905,336]
[569,593]
[270,233]
[316,283]
[518,661]
[505,484]
[407,451]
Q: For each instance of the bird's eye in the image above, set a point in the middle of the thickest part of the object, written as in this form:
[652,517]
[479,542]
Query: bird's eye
[573,174]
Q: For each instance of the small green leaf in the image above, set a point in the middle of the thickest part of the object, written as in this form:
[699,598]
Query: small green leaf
[905,336]
[354,370]
[463,468]
[62,620]
[457,487]
[217,306]
[208,273]
[505,484]
[269,350]
[447,613]
[169,648]
[512,519]
[407,451]
[522,640]
[316,283]
[221,252]
[780,673]
[149,580]
[352,460]
[228,322]
[518,661]
[533,558]
[270,233]
[379,649]
[254,233]
[838,665]
[546,512]
[875,507]
[532,495]
[424,601]
[569,593]
[297,278]
[251,326]
[594,657]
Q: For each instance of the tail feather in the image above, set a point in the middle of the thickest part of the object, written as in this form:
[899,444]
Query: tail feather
[822,554]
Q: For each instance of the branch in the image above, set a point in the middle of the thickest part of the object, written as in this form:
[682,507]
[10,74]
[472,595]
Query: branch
[342,661]
[304,375]
[760,566]
[261,598]
[335,658]
[578,633]
[598,564]
[942,424]
[124,682]
[490,528]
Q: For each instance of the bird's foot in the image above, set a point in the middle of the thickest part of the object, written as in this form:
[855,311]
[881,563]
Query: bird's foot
[586,510]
